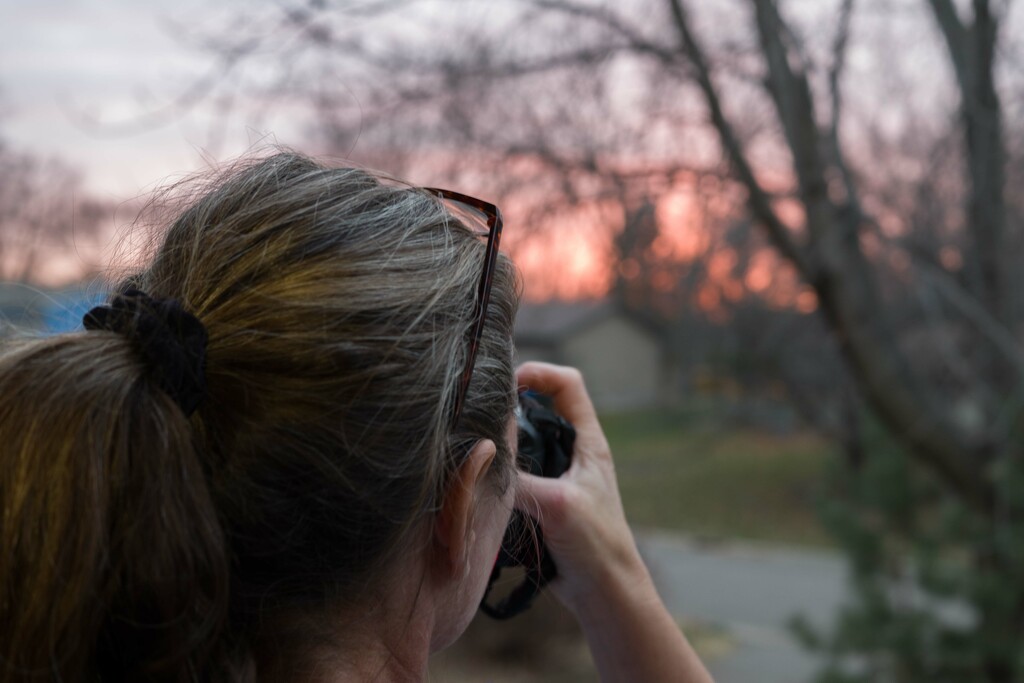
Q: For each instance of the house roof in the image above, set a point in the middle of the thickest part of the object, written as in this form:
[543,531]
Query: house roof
[552,321]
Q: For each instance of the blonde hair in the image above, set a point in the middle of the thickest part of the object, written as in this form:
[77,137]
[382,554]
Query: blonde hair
[141,544]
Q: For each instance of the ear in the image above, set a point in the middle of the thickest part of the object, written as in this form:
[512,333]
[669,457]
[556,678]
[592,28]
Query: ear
[453,528]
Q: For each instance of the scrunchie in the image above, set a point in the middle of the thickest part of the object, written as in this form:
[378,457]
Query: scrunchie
[171,341]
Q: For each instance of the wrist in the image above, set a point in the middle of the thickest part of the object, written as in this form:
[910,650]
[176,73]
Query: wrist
[631,634]
[621,584]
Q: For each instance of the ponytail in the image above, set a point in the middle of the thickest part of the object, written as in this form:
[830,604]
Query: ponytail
[112,560]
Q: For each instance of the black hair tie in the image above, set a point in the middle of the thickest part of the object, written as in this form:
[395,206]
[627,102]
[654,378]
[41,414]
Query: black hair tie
[171,340]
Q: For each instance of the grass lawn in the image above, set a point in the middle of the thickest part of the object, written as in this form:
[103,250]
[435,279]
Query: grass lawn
[682,471]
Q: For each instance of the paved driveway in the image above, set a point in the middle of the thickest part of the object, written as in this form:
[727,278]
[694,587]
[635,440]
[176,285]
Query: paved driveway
[751,592]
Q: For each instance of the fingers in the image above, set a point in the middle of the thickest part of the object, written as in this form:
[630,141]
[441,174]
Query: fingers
[565,386]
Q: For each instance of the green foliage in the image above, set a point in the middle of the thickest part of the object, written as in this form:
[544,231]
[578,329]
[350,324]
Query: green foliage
[686,470]
[938,587]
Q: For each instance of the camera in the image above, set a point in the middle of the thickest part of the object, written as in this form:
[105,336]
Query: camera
[545,443]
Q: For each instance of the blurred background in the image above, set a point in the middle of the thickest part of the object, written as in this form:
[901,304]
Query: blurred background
[779,237]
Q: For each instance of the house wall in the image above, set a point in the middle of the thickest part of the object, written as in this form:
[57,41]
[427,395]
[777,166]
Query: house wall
[546,353]
[620,361]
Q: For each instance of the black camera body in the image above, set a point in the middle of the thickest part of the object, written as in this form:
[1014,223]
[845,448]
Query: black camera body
[545,443]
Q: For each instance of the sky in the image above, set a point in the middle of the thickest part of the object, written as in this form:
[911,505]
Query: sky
[78,76]
[66,62]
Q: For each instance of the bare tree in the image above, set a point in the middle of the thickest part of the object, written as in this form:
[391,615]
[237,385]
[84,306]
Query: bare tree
[44,218]
[831,255]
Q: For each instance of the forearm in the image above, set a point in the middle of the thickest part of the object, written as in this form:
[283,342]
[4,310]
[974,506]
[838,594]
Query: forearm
[631,634]
[602,578]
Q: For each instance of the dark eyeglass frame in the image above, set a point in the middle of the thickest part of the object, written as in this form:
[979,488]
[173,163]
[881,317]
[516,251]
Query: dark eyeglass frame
[483,296]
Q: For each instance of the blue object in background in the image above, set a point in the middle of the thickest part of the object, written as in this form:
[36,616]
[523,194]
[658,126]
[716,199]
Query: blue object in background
[64,310]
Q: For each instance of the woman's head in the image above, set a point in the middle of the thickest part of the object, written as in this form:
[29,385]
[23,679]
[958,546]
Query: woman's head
[338,311]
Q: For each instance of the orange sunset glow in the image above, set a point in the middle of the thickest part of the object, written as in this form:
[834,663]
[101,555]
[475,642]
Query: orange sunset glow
[570,257]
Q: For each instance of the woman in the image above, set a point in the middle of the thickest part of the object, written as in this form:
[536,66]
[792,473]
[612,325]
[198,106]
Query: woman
[284,451]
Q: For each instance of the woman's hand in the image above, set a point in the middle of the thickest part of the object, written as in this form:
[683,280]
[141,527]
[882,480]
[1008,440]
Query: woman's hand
[581,512]
[601,577]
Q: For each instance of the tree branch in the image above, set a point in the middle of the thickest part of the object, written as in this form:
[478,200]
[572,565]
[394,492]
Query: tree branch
[839,46]
[791,93]
[972,52]
[837,269]
[614,23]
[956,37]
[757,197]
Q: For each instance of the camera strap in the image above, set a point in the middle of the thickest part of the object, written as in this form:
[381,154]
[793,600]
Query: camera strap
[546,442]
[540,570]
